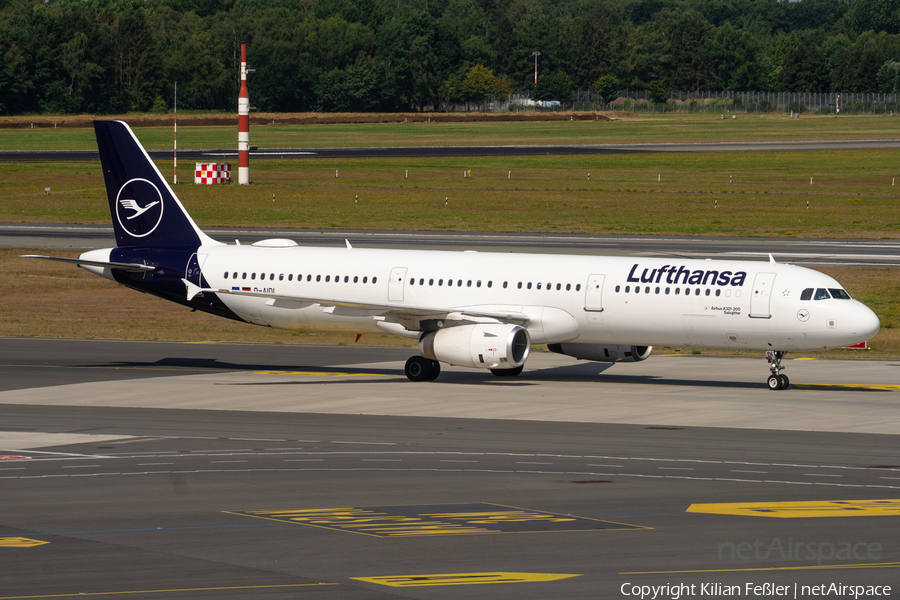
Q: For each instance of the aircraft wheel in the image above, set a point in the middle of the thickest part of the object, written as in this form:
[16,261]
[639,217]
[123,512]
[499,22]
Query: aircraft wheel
[507,372]
[785,382]
[774,382]
[435,370]
[418,368]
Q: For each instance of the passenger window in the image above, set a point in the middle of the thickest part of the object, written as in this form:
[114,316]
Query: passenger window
[374,279]
[519,285]
[578,287]
[253,276]
[309,277]
[539,285]
[697,292]
[422,281]
[490,283]
[806,294]
[365,280]
[271,276]
[449,283]
[647,290]
[469,283]
[478,283]
[281,277]
[291,277]
[657,290]
[677,291]
[505,283]
[707,291]
[459,283]
[549,286]
[318,278]
[346,279]
[244,276]
[412,281]
[327,278]
[529,285]
[838,294]
[627,288]
[667,291]
[440,282]
[226,274]
[558,286]
[718,292]
[355,279]
[822,294]
[618,287]
[234,275]
[568,286]
[637,289]
[431,282]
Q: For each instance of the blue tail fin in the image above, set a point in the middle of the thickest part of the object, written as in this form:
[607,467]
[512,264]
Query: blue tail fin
[145,211]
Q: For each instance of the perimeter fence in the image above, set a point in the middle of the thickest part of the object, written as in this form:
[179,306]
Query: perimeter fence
[697,102]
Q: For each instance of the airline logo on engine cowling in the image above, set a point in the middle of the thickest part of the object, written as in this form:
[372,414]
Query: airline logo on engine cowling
[675,274]
[139,207]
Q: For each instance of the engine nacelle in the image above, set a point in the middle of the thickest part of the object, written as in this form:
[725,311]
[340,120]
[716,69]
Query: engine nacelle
[490,346]
[603,353]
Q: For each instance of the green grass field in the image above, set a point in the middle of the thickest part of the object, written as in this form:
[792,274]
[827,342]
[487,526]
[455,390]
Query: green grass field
[645,129]
[851,195]
[687,194]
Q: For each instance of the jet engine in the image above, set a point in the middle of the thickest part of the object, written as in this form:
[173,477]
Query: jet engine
[603,353]
[487,346]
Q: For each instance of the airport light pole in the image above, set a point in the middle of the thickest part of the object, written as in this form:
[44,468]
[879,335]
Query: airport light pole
[535,55]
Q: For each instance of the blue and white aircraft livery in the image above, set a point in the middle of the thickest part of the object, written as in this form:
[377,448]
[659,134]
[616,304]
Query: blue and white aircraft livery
[479,310]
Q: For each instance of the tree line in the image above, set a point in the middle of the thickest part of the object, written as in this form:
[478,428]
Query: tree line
[112,56]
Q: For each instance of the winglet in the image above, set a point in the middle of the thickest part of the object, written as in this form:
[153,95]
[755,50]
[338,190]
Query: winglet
[771,258]
[349,247]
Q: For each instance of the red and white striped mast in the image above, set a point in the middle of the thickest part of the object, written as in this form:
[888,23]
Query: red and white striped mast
[175,156]
[243,123]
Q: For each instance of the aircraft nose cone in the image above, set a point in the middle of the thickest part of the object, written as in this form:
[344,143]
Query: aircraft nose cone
[867,323]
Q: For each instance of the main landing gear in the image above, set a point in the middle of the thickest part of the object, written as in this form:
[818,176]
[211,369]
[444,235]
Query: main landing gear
[507,372]
[419,368]
[776,381]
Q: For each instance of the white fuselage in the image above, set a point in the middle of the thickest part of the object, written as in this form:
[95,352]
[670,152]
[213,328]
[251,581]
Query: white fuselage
[591,299]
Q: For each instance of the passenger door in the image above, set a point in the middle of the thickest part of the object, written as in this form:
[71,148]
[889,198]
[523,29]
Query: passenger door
[593,298]
[395,287]
[762,294]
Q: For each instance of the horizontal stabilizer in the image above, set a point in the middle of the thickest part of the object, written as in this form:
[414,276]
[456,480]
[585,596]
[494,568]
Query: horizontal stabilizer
[128,267]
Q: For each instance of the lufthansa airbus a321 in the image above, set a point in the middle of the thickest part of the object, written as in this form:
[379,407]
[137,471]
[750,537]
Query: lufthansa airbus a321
[480,310]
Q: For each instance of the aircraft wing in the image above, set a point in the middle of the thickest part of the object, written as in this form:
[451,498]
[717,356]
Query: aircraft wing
[399,311]
[131,267]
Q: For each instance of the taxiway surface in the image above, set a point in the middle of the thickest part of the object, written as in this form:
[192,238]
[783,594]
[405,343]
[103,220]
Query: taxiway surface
[807,252]
[167,470]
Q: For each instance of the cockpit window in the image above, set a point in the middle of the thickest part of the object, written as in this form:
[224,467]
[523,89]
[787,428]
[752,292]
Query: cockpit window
[806,294]
[822,294]
[839,294]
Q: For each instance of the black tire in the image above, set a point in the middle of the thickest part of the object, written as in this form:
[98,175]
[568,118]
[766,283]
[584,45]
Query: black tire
[435,370]
[785,382]
[507,372]
[418,368]
[774,382]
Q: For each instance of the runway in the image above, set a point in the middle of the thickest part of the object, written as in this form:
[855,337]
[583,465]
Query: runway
[171,470]
[449,151]
[806,252]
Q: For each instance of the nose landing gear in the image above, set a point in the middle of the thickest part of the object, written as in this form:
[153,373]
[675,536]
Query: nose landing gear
[776,381]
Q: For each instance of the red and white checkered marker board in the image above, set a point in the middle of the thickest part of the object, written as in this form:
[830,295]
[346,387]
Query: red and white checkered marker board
[210,173]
